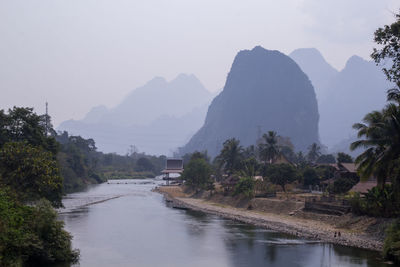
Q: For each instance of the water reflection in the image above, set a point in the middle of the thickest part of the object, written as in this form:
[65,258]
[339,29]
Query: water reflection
[128,225]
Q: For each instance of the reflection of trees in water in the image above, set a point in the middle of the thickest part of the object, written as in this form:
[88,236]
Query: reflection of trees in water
[248,245]
[197,223]
[270,253]
[358,256]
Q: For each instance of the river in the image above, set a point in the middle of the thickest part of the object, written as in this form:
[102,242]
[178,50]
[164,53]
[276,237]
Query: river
[124,223]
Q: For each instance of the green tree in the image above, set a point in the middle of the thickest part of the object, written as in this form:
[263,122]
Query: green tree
[269,149]
[245,187]
[380,131]
[310,177]
[301,160]
[197,174]
[22,124]
[282,174]
[31,172]
[144,164]
[328,158]
[389,39]
[231,156]
[250,167]
[32,235]
[344,158]
[380,137]
[391,247]
[314,151]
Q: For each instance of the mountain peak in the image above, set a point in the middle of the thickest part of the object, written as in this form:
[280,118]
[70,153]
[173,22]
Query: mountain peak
[355,61]
[264,88]
[157,81]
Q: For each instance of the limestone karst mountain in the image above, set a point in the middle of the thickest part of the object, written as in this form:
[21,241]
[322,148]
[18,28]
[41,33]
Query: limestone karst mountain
[264,90]
[343,97]
[156,118]
[317,69]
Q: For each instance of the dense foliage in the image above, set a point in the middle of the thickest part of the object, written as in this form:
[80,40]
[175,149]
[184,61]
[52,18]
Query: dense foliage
[245,187]
[31,172]
[197,173]
[32,235]
[30,184]
[377,202]
[380,131]
[391,247]
[282,174]
[82,164]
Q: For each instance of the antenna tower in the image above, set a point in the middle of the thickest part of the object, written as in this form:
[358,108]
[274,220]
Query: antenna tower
[47,119]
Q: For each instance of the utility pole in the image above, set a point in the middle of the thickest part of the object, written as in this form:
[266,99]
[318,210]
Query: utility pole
[47,119]
[258,133]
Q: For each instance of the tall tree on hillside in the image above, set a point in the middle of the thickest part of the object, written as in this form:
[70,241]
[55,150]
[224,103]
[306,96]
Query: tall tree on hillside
[314,151]
[22,124]
[269,148]
[231,156]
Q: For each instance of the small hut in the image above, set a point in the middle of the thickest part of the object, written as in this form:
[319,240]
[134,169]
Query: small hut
[172,165]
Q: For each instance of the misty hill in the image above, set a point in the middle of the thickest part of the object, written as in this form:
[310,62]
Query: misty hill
[343,97]
[358,89]
[156,118]
[317,69]
[265,89]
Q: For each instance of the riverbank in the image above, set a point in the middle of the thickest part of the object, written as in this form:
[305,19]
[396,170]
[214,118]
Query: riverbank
[356,231]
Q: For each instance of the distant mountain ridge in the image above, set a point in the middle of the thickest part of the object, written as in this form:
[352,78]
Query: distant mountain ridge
[264,89]
[344,97]
[318,70]
[157,117]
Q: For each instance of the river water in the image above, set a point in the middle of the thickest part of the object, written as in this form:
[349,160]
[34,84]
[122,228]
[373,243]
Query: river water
[123,223]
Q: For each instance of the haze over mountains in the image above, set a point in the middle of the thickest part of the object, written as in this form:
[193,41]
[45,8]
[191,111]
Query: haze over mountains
[344,97]
[264,90]
[156,118]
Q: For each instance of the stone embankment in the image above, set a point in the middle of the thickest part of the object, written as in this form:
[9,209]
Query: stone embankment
[345,230]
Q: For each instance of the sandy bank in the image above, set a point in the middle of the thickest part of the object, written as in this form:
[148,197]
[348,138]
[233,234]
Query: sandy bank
[354,230]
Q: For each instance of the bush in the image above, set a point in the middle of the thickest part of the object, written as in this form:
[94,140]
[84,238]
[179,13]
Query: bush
[344,184]
[32,236]
[377,202]
[245,187]
[310,177]
[391,247]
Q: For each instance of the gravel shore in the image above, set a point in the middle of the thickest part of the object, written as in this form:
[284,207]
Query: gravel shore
[306,228]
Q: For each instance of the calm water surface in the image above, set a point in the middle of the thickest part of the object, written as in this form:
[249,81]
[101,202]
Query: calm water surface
[125,224]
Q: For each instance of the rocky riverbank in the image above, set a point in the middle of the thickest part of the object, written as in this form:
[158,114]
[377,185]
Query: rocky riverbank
[354,231]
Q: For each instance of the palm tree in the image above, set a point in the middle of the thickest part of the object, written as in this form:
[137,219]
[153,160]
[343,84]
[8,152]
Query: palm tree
[381,141]
[231,155]
[269,148]
[314,151]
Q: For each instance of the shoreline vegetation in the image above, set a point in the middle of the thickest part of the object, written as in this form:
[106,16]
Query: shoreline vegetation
[355,231]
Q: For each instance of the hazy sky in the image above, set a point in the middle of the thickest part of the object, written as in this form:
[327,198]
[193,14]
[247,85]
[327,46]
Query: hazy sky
[77,54]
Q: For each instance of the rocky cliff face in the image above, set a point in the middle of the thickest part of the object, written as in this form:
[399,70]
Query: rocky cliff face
[264,90]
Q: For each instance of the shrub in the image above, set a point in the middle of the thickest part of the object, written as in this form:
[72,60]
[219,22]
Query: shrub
[310,177]
[32,235]
[344,184]
[377,202]
[391,247]
[245,186]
